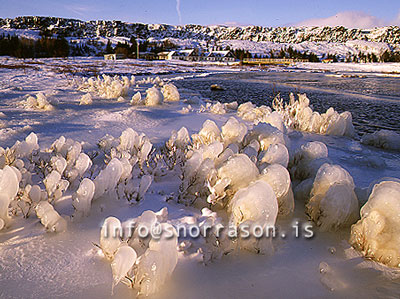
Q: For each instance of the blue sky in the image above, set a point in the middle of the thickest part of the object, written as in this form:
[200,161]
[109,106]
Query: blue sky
[265,13]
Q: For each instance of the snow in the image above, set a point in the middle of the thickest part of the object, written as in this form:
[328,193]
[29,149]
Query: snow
[204,154]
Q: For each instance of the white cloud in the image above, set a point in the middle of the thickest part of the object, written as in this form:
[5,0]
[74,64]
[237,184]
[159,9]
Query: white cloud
[350,19]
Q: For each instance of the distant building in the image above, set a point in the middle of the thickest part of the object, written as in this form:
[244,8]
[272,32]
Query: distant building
[327,60]
[194,55]
[114,56]
[223,56]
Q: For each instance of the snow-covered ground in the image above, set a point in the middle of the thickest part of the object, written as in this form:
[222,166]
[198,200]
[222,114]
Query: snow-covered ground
[35,263]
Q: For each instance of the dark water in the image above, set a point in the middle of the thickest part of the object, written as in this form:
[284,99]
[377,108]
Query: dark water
[373,101]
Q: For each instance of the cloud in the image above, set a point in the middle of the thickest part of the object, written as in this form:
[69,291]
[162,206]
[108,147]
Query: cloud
[350,19]
[178,10]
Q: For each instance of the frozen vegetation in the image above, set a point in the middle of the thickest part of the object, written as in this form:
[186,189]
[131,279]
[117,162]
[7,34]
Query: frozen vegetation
[215,164]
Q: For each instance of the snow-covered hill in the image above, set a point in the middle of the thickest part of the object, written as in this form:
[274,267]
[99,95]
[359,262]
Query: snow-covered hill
[335,40]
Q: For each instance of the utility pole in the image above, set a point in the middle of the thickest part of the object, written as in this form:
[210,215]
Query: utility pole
[137,50]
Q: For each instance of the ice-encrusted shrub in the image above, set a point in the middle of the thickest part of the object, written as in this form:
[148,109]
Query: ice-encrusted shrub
[207,135]
[137,99]
[266,135]
[377,234]
[308,159]
[50,218]
[385,139]
[278,178]
[82,198]
[255,205]
[170,93]
[141,263]
[86,99]
[333,203]
[298,115]
[276,154]
[39,102]
[9,186]
[154,97]
[107,87]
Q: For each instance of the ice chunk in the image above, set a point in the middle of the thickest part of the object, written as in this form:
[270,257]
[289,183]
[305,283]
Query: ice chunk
[154,97]
[170,93]
[51,182]
[376,235]
[50,218]
[25,148]
[276,154]
[110,236]
[333,203]
[123,261]
[278,178]
[108,178]
[83,197]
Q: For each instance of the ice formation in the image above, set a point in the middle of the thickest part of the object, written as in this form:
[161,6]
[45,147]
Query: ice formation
[107,87]
[82,198]
[108,178]
[110,236]
[297,114]
[237,172]
[308,159]
[276,154]
[39,103]
[385,139]
[278,178]
[208,134]
[377,234]
[9,186]
[154,97]
[123,261]
[170,93]
[333,203]
[136,99]
[233,131]
[86,99]
[55,185]
[50,218]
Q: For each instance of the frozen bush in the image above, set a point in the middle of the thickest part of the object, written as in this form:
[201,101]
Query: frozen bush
[25,148]
[86,99]
[255,205]
[9,186]
[233,131]
[110,237]
[218,108]
[50,218]
[170,93]
[158,262]
[38,103]
[278,178]
[385,139]
[55,186]
[333,203]
[179,139]
[137,99]
[82,198]
[154,97]
[276,154]
[377,234]
[123,261]
[208,134]
[266,134]
[237,172]
[108,178]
